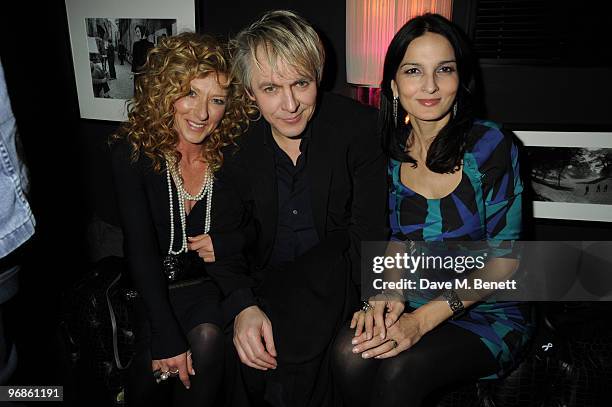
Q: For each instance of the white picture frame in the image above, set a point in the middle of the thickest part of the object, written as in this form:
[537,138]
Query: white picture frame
[582,211]
[78,11]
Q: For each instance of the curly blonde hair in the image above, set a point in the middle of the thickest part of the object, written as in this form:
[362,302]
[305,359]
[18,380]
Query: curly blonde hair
[165,78]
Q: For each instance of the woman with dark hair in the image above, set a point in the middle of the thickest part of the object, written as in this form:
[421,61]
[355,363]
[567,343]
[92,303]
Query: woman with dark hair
[453,178]
[164,159]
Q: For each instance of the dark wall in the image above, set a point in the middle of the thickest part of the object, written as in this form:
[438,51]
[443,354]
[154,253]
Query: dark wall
[568,93]
[562,97]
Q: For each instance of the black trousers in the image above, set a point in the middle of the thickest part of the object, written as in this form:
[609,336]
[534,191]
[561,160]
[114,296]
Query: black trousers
[305,301]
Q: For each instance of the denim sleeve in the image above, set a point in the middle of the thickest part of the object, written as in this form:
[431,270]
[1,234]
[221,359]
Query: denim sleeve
[16,219]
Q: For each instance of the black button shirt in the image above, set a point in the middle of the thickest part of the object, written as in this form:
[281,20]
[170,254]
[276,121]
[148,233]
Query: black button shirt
[296,232]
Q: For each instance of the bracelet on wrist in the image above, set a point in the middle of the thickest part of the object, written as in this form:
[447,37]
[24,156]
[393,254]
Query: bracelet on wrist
[454,303]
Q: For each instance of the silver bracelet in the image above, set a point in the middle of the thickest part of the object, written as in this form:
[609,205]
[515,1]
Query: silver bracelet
[454,303]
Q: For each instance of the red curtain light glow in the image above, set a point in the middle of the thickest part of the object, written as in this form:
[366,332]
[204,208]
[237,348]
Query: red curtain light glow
[370,26]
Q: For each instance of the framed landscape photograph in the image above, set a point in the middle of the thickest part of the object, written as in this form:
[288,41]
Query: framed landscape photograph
[110,40]
[571,174]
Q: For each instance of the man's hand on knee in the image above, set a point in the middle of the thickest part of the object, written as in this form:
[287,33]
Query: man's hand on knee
[250,327]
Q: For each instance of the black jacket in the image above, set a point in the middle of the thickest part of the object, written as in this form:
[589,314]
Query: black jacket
[347,172]
[142,196]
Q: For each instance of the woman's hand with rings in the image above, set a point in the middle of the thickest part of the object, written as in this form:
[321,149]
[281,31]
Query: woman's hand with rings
[202,244]
[373,314]
[358,322]
[179,365]
[400,336]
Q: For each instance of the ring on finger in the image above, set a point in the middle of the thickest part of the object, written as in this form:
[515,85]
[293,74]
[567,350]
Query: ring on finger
[173,373]
[366,306]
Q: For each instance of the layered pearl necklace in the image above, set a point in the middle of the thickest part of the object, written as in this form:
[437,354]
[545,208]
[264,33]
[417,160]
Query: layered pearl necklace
[206,190]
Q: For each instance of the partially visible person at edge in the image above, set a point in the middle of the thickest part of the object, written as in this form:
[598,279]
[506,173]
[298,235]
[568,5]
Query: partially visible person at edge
[311,174]
[16,222]
[164,159]
[452,178]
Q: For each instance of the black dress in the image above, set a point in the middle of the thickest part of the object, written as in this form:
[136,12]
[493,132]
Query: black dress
[142,195]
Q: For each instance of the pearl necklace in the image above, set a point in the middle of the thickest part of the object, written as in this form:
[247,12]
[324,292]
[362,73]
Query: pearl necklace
[207,190]
[187,195]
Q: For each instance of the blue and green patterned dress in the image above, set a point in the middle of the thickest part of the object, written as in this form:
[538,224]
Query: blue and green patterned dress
[486,205]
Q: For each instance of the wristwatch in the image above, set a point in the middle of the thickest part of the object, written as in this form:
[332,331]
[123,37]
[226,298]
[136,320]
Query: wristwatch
[454,303]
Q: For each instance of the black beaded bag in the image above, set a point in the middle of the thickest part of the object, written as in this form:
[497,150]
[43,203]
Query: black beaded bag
[183,269]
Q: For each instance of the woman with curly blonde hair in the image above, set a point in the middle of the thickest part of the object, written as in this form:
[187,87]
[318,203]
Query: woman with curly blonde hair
[185,109]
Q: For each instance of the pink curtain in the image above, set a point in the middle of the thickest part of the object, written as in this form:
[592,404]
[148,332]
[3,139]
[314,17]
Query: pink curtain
[370,26]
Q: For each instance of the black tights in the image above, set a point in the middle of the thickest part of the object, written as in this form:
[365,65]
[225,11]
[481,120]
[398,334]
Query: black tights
[206,343]
[446,355]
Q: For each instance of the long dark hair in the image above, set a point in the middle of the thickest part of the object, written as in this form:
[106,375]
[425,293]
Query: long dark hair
[446,151]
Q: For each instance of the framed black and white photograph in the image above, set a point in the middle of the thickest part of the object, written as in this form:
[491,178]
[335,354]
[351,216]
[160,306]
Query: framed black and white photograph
[571,174]
[110,41]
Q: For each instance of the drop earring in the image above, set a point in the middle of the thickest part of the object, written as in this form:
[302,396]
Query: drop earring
[455,109]
[395,101]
